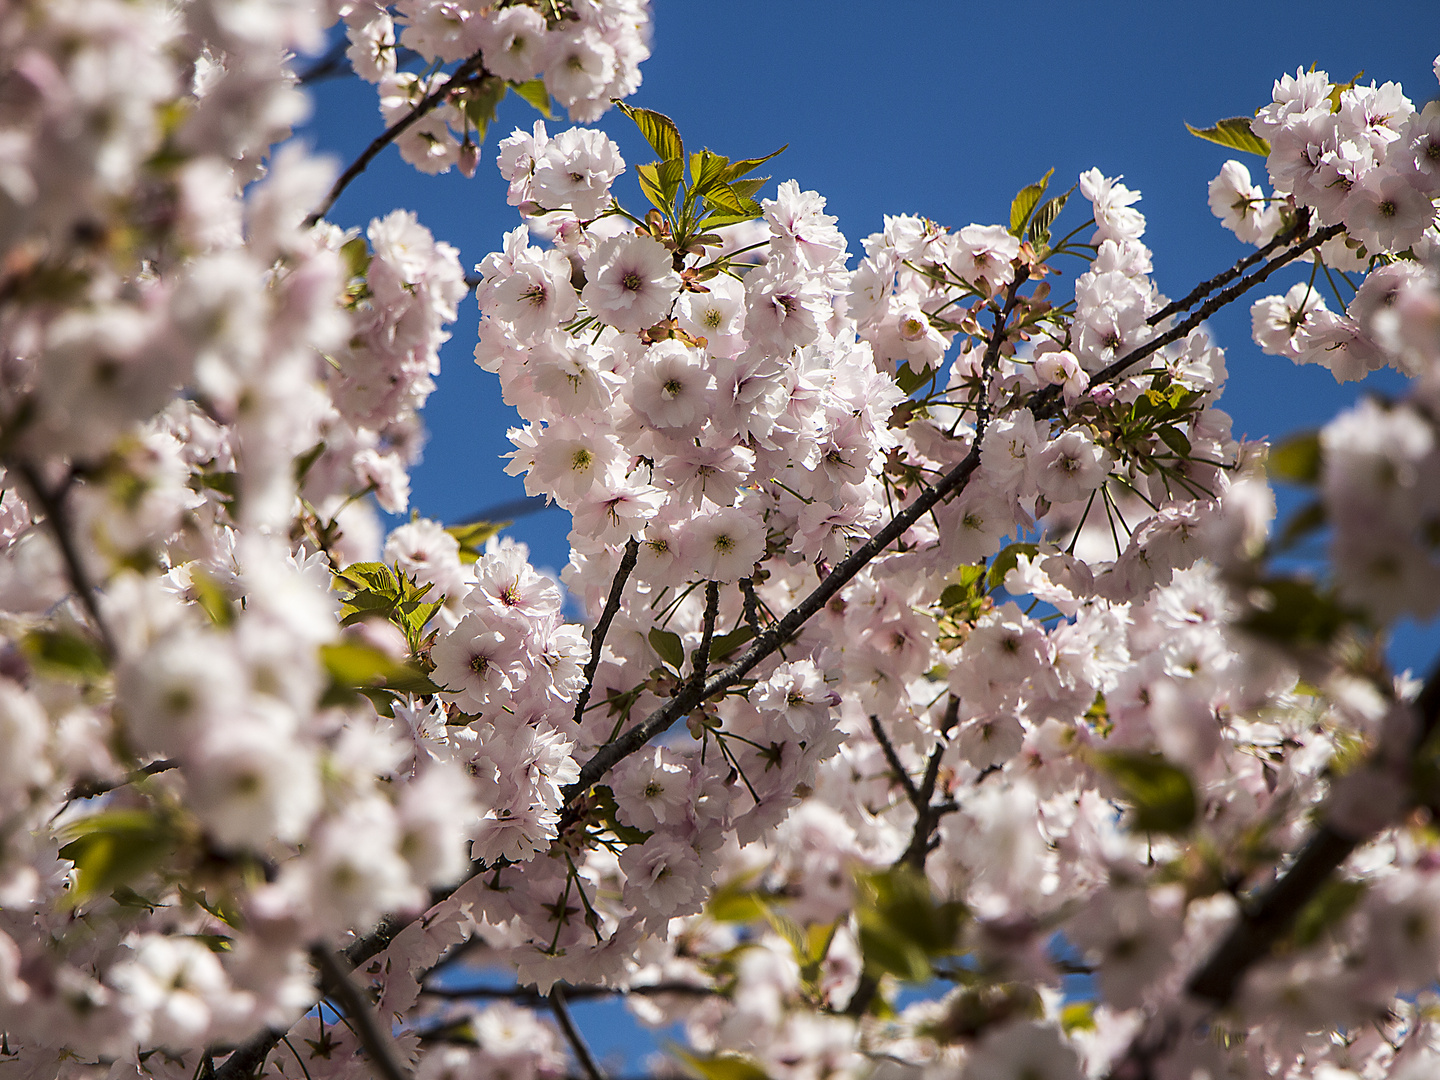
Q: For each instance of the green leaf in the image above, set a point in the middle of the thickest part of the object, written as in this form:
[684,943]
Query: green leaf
[1078,1016]
[1302,523]
[1039,230]
[1297,460]
[1025,202]
[735,903]
[472,536]
[64,654]
[355,257]
[1175,439]
[1235,134]
[306,461]
[1161,794]
[603,799]
[535,93]
[211,597]
[719,219]
[352,663]
[737,169]
[671,173]
[371,575]
[1340,88]
[902,926]
[726,1066]
[659,131]
[725,198]
[706,170]
[1291,611]
[747,188]
[726,644]
[1006,560]
[668,647]
[651,188]
[479,102]
[910,381]
[114,848]
[1334,900]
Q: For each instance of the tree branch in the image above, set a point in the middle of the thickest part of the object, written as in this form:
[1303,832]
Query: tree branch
[1295,232]
[1268,917]
[1045,404]
[911,791]
[528,995]
[361,1015]
[472,65]
[602,626]
[57,516]
[572,1034]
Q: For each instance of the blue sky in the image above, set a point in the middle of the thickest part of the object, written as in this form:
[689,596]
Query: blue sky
[939,108]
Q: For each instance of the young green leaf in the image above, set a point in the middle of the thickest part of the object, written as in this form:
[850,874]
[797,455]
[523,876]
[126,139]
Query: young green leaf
[706,170]
[659,131]
[114,848]
[535,93]
[737,169]
[472,537]
[652,188]
[1297,459]
[64,654]
[1006,560]
[1039,231]
[1161,794]
[668,647]
[1234,133]
[1025,202]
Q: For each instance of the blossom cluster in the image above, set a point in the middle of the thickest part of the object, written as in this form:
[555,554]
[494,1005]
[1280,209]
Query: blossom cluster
[581,53]
[934,630]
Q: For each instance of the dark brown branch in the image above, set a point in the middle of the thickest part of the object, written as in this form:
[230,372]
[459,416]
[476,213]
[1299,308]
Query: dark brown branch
[780,631]
[528,995]
[335,980]
[752,604]
[88,789]
[57,516]
[911,791]
[602,626]
[1268,917]
[1045,404]
[329,66]
[776,634]
[572,1034]
[472,66]
[707,634]
[1205,288]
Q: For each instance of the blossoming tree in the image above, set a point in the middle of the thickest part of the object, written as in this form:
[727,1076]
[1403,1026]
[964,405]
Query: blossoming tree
[939,646]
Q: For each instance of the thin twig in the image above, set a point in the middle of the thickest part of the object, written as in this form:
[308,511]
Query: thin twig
[473,65]
[528,995]
[602,627]
[378,1044]
[572,1034]
[88,789]
[911,791]
[1299,229]
[328,66]
[780,631]
[58,518]
[1268,917]
[1045,404]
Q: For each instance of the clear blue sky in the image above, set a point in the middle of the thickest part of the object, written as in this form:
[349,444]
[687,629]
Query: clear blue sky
[937,108]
